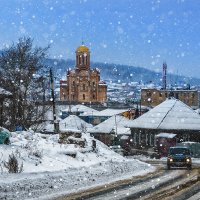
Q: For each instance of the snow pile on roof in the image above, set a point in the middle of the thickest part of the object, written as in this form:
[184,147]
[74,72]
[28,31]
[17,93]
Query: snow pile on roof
[79,108]
[102,83]
[109,112]
[74,122]
[171,114]
[166,135]
[115,124]
[48,166]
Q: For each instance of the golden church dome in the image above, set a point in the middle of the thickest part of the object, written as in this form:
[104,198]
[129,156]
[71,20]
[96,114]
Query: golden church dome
[82,48]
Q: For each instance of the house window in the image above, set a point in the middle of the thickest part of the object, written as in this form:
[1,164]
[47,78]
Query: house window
[177,97]
[93,96]
[82,60]
[83,96]
[83,86]
[148,94]
[193,95]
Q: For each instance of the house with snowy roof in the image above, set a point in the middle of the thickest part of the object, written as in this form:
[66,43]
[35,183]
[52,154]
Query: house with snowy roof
[98,117]
[70,123]
[74,122]
[110,128]
[77,110]
[171,116]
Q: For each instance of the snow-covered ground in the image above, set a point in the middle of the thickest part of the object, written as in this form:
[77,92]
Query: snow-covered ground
[49,170]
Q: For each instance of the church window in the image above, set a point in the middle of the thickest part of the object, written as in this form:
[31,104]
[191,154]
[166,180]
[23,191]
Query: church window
[148,94]
[77,59]
[193,95]
[82,60]
[83,96]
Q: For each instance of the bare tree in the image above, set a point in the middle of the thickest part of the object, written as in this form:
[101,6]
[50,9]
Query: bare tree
[22,72]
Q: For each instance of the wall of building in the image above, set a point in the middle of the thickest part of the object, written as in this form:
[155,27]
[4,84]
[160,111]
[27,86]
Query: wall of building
[153,97]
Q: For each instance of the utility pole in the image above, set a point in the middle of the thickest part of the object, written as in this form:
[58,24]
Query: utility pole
[56,129]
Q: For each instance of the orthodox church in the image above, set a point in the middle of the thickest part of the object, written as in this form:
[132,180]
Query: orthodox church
[83,84]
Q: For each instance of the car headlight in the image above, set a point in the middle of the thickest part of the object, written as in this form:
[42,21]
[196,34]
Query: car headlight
[170,159]
[187,160]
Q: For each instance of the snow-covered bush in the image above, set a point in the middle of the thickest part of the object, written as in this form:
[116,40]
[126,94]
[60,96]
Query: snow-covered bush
[36,152]
[12,165]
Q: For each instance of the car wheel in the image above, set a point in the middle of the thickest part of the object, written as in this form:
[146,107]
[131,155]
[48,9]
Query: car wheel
[7,141]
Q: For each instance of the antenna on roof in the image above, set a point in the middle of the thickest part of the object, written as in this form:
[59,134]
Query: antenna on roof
[164,75]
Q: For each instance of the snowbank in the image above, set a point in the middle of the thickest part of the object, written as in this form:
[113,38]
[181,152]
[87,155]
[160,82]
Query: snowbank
[49,168]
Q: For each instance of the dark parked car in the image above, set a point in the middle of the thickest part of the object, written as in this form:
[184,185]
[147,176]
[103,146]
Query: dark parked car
[179,157]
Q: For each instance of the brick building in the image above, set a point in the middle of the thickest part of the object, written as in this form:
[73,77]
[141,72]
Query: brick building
[153,97]
[83,84]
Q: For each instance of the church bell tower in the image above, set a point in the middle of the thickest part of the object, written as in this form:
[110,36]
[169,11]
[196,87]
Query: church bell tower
[82,58]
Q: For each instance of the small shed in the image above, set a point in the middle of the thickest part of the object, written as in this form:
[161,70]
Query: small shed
[111,128]
[164,141]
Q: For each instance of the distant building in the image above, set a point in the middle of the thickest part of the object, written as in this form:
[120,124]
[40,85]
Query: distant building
[153,97]
[83,84]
